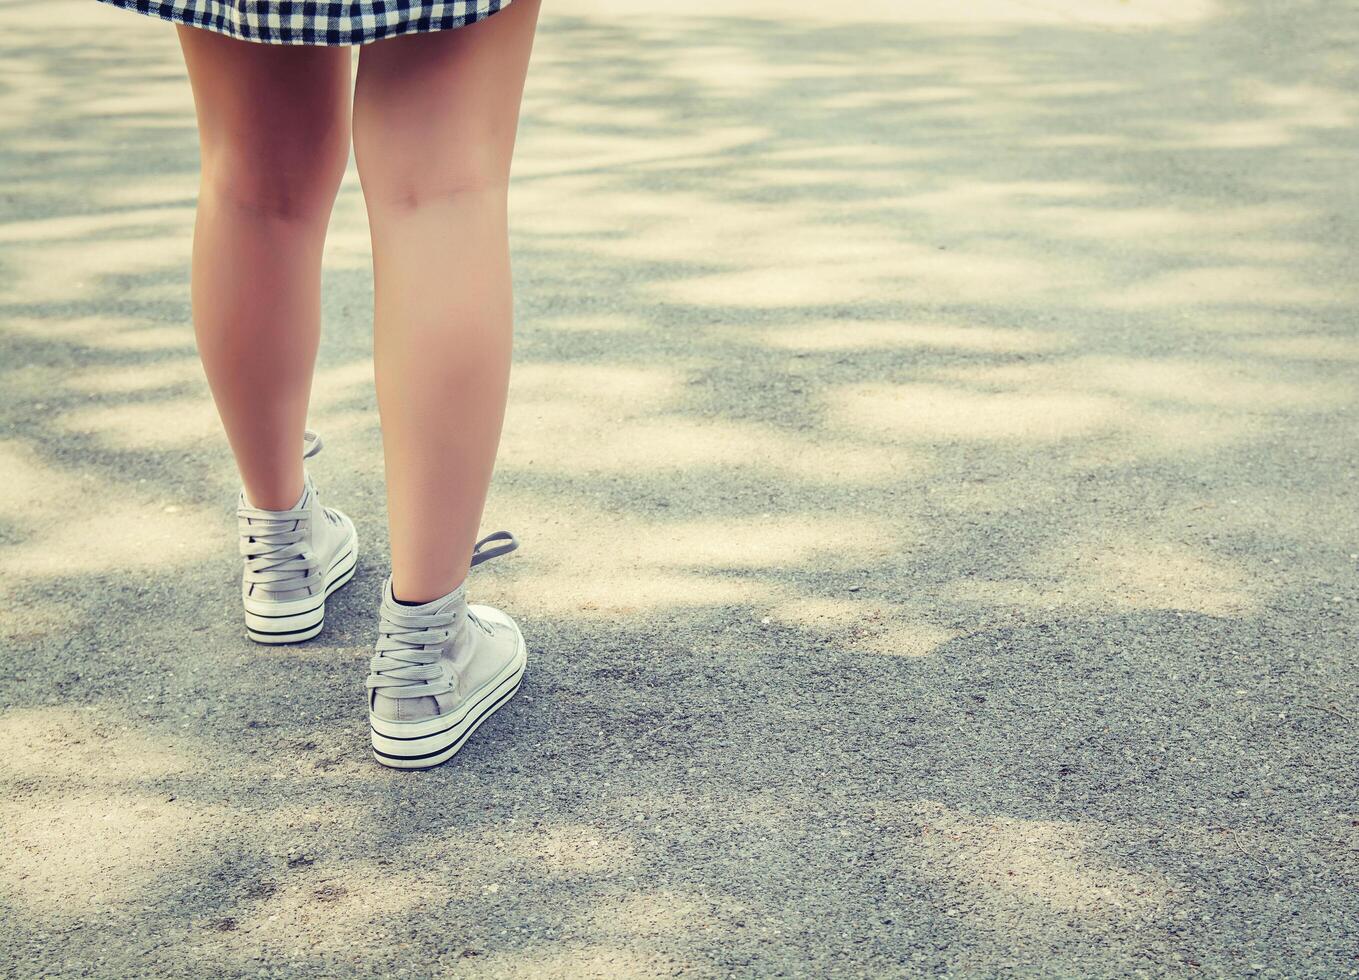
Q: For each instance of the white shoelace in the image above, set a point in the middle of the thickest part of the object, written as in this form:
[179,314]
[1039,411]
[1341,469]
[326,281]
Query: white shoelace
[406,662]
[272,541]
[273,545]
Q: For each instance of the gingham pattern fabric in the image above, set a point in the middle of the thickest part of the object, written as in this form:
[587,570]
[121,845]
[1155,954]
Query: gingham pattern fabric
[334,22]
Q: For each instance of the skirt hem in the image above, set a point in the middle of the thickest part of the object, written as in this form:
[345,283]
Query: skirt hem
[359,26]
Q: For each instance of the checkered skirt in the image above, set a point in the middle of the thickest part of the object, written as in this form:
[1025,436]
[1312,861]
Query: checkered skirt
[333,22]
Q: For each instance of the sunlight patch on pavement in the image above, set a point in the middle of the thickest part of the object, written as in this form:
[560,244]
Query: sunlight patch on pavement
[870,625]
[579,442]
[982,14]
[584,151]
[1302,347]
[167,423]
[136,103]
[658,913]
[1225,285]
[119,538]
[74,526]
[141,378]
[815,265]
[105,332]
[1149,381]
[566,591]
[330,905]
[931,412]
[181,188]
[1126,570]
[1109,408]
[73,854]
[1116,570]
[581,419]
[562,849]
[1005,862]
[81,836]
[861,334]
[602,322]
[636,564]
[567,959]
[68,743]
[620,387]
[93,249]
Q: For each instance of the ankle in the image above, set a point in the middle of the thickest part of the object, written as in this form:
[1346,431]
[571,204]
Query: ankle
[269,498]
[420,593]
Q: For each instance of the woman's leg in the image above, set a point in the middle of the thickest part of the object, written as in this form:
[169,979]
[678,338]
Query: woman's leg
[273,126]
[435,117]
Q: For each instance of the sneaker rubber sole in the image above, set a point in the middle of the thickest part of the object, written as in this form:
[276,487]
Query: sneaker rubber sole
[301,619]
[430,742]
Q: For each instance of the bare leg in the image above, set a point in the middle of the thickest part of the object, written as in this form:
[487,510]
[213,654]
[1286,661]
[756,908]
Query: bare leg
[435,118]
[273,125]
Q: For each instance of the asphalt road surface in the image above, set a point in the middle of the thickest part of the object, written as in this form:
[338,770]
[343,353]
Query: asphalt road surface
[932,441]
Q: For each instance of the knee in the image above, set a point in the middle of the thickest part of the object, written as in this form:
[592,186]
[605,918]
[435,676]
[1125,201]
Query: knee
[402,182]
[286,176]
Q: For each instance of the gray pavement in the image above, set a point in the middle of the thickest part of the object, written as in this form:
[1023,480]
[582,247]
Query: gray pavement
[933,447]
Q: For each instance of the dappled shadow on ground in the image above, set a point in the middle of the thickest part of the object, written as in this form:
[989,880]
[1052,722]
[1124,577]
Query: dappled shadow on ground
[932,446]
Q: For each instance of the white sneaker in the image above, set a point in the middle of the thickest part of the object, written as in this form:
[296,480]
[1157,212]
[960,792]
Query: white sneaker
[294,559]
[441,669]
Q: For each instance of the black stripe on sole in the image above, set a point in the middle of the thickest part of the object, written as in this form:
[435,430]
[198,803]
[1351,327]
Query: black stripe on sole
[331,588]
[304,612]
[454,746]
[342,557]
[344,579]
[304,629]
[465,716]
